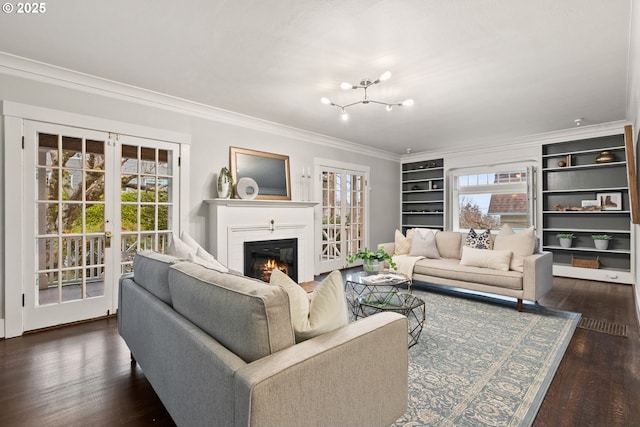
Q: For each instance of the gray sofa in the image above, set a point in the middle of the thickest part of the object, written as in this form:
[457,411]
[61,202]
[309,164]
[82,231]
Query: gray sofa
[219,350]
[531,284]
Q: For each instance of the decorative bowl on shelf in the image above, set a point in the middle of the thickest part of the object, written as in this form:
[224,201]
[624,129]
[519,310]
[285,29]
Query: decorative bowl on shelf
[605,157]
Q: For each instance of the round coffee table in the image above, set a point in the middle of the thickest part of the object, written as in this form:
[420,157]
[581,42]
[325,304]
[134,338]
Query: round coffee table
[362,283]
[400,302]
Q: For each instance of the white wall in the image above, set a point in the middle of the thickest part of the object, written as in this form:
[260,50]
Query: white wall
[210,151]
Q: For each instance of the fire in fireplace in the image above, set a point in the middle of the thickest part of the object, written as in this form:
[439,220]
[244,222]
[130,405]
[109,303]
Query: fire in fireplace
[262,257]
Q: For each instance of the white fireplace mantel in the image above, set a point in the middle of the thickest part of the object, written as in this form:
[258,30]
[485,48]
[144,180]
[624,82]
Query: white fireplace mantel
[235,221]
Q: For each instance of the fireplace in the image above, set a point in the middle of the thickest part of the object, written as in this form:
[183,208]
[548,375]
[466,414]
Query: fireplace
[262,257]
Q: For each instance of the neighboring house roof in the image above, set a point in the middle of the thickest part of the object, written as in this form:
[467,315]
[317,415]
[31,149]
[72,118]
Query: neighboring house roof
[508,204]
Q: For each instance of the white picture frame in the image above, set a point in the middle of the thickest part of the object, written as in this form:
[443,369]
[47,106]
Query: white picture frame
[610,201]
[590,203]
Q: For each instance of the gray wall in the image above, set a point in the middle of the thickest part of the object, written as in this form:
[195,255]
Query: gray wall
[209,152]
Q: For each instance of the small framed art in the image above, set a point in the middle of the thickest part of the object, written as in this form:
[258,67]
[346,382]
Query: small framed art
[590,203]
[610,201]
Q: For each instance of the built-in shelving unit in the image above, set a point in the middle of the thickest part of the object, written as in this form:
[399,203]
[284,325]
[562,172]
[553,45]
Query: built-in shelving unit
[570,175]
[423,194]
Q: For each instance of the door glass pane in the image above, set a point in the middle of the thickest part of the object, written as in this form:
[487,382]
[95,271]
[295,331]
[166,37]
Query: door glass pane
[72,188]
[47,183]
[47,150]
[71,217]
[94,274]
[71,152]
[71,285]
[129,215]
[129,163]
[148,161]
[146,203]
[164,164]
[47,252]
[94,217]
[69,259]
[95,186]
[94,155]
[147,217]
[47,218]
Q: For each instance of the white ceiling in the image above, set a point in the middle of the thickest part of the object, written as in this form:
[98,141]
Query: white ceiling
[479,71]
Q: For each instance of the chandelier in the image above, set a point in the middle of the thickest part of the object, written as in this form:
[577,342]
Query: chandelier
[365,83]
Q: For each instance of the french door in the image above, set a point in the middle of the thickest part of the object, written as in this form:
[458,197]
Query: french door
[344,216]
[92,199]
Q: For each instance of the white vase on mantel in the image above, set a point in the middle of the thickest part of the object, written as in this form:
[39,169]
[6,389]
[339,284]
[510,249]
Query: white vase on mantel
[224,184]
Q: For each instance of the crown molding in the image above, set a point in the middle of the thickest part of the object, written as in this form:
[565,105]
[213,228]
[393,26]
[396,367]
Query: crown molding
[536,140]
[46,73]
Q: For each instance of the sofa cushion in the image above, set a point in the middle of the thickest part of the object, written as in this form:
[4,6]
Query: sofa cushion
[487,258]
[451,269]
[247,316]
[424,245]
[402,242]
[151,271]
[449,244]
[478,240]
[325,311]
[521,244]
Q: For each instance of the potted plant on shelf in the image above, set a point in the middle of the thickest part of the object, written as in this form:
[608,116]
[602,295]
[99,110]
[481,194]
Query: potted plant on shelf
[565,239]
[601,241]
[372,262]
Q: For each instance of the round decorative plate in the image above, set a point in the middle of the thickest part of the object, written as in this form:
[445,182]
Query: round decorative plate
[247,188]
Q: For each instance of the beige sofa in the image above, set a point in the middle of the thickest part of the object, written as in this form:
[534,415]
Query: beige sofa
[219,350]
[535,279]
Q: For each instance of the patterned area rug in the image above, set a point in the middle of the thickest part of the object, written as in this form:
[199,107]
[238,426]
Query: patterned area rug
[479,362]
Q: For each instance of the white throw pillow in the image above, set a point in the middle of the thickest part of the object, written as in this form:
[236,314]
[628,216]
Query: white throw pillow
[211,265]
[179,249]
[521,244]
[326,311]
[190,241]
[486,258]
[201,256]
[402,243]
[424,245]
[424,231]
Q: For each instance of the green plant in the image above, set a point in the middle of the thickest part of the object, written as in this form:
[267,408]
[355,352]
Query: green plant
[367,255]
[565,236]
[601,237]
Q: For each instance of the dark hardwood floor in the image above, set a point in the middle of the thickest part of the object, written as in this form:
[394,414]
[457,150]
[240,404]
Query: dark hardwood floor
[81,375]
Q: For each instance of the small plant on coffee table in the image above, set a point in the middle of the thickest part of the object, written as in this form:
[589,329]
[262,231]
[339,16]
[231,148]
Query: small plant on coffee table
[367,256]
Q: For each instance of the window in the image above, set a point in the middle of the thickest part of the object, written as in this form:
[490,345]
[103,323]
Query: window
[491,197]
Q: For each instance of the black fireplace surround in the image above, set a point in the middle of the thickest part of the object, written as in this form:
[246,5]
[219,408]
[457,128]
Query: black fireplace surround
[261,257]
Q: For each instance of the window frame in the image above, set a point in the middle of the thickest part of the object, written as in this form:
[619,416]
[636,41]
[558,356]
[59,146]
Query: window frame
[529,186]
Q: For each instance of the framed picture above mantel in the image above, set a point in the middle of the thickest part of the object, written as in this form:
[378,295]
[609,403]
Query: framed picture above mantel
[270,172]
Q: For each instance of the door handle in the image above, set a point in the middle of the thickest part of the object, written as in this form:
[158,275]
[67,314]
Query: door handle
[107,239]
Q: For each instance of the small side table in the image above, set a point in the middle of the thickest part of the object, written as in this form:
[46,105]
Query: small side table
[400,302]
